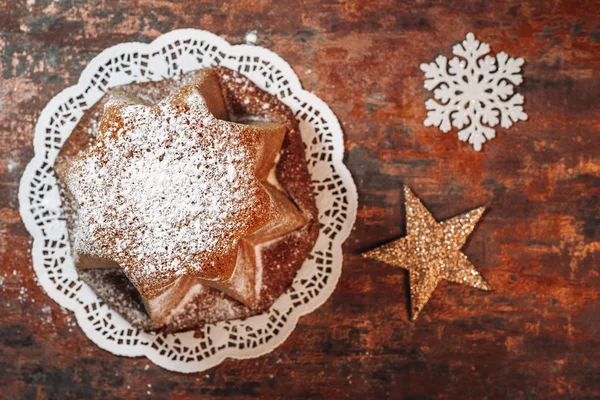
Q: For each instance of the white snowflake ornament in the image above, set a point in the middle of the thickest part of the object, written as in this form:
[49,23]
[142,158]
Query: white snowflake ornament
[473,94]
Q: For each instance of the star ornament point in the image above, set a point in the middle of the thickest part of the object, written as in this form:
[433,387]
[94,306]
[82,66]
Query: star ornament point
[430,251]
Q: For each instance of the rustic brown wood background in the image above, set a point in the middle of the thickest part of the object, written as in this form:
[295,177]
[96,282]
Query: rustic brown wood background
[537,335]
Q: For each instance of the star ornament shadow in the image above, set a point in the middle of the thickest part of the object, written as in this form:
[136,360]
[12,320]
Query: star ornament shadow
[430,251]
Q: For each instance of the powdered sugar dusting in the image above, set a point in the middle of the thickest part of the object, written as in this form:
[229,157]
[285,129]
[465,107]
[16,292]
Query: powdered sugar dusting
[215,307]
[163,187]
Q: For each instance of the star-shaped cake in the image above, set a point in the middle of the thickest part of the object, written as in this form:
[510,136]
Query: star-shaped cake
[175,195]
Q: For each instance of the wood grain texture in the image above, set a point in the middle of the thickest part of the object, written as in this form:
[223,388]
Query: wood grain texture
[537,335]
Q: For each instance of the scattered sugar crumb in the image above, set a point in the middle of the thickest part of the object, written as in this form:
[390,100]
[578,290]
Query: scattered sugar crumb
[11,165]
[251,37]
[23,294]
[47,310]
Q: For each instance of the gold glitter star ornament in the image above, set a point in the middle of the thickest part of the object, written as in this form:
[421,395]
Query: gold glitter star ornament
[431,251]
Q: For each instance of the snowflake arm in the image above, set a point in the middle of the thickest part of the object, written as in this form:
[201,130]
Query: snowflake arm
[512,111]
[471,49]
[435,72]
[509,68]
[438,115]
[476,133]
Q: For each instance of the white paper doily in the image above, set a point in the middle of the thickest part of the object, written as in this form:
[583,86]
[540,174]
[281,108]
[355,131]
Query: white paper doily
[169,55]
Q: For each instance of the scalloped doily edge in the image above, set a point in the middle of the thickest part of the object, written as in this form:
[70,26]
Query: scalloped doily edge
[39,158]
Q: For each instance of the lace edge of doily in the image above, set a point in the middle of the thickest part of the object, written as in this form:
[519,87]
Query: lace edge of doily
[39,158]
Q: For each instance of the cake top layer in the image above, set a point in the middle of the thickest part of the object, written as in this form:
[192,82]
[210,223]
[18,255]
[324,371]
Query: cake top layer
[169,190]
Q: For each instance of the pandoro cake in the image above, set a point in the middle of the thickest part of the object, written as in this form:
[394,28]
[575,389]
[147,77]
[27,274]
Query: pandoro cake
[188,200]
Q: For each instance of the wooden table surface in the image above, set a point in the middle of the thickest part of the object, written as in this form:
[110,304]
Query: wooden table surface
[537,335]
